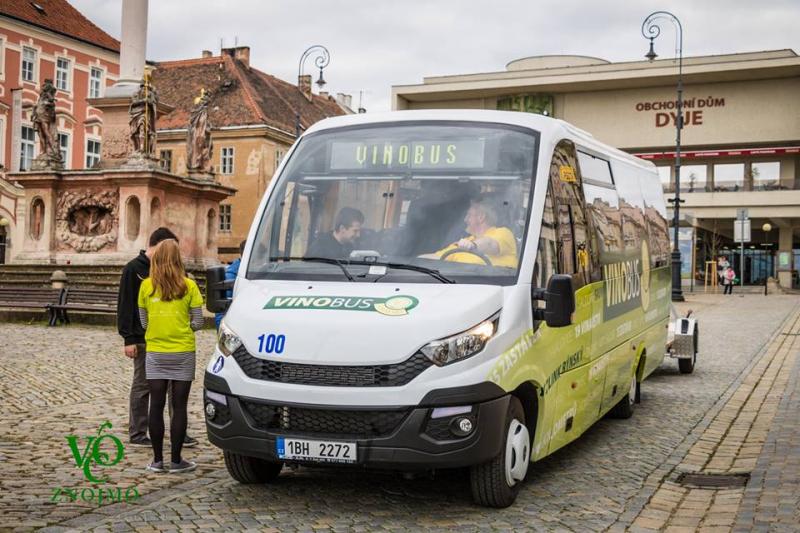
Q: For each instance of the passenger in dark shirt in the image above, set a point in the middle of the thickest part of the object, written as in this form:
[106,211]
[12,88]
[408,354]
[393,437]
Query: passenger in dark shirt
[341,241]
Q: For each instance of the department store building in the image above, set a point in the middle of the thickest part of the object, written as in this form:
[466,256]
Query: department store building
[740,142]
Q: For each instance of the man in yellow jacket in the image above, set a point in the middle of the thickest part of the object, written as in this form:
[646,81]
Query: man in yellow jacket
[485,237]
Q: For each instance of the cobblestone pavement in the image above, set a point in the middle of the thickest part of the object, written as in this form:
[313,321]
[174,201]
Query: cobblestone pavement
[730,446]
[68,380]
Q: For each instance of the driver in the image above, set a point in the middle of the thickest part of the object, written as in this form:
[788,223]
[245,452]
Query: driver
[485,237]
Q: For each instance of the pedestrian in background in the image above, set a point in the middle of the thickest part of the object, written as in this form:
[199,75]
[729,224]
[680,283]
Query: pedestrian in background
[230,274]
[722,265]
[728,278]
[171,310]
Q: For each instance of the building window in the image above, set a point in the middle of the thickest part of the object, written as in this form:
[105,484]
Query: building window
[95,83]
[28,64]
[693,178]
[226,163]
[62,74]
[766,176]
[27,144]
[224,217]
[165,158]
[729,177]
[278,158]
[63,146]
[92,153]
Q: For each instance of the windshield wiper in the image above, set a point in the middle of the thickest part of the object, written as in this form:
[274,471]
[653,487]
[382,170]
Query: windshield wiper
[403,266]
[317,260]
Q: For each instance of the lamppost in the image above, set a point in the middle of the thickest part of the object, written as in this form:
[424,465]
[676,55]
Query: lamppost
[766,227]
[651,30]
[321,61]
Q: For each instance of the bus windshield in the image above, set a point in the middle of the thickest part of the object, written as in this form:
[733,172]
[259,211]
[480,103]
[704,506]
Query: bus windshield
[433,202]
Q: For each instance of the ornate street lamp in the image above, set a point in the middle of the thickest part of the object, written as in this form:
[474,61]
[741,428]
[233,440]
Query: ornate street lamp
[651,30]
[321,61]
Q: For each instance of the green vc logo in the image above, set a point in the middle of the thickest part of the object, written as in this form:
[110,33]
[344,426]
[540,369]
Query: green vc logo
[397,305]
[101,450]
[92,453]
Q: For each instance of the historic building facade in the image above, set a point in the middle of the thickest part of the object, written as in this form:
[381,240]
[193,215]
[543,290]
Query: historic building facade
[740,142]
[254,118]
[39,41]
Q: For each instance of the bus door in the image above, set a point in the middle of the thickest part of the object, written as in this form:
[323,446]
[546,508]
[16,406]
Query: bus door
[564,231]
[610,343]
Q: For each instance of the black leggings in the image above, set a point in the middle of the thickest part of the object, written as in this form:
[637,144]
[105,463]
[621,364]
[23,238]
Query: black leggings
[178,419]
[728,289]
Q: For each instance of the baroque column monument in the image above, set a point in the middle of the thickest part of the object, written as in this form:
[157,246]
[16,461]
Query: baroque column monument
[105,214]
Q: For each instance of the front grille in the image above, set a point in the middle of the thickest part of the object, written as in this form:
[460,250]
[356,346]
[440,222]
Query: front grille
[332,375]
[353,424]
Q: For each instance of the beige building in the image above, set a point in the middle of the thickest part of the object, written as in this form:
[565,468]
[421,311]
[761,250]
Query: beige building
[740,141]
[254,117]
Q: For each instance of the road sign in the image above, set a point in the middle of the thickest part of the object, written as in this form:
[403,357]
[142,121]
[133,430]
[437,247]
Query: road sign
[741,230]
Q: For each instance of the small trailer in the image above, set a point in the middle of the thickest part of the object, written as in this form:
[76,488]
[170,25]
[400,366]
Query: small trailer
[683,340]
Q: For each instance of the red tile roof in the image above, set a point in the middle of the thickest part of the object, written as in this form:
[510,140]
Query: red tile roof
[60,17]
[240,95]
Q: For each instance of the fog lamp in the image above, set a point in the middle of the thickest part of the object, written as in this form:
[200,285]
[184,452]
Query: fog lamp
[210,410]
[462,426]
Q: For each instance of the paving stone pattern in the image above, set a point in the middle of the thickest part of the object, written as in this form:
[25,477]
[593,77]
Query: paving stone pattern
[730,445]
[68,380]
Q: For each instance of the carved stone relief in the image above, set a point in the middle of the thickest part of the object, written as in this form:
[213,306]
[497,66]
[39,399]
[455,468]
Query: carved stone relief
[87,221]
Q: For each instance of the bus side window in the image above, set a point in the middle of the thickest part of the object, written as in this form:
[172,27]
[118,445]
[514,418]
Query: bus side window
[546,255]
[573,248]
[603,212]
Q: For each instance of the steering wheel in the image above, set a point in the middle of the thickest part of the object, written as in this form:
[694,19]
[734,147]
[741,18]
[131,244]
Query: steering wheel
[483,256]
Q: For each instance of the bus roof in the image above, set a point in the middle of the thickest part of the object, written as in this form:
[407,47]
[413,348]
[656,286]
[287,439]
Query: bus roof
[546,125]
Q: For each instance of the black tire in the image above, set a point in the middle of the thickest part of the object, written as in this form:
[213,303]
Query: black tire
[248,470]
[625,407]
[490,487]
[686,366]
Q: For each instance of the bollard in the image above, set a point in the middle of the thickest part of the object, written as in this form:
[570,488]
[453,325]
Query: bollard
[58,279]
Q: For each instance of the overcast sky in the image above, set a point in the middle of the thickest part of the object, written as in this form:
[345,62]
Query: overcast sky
[375,44]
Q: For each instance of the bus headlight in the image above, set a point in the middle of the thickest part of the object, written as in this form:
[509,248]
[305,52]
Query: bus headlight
[462,345]
[227,341]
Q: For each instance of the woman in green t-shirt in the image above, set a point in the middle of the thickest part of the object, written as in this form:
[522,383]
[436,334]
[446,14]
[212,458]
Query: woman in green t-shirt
[171,310]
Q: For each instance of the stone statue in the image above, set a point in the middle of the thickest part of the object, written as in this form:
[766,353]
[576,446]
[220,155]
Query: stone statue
[142,114]
[199,149]
[44,121]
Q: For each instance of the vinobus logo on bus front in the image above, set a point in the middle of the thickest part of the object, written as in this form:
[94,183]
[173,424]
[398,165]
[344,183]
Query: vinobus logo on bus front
[392,306]
[100,451]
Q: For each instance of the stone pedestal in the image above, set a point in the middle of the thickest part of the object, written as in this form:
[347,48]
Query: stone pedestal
[117,149]
[105,216]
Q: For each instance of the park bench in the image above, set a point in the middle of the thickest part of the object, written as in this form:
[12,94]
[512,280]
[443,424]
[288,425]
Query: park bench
[31,298]
[83,300]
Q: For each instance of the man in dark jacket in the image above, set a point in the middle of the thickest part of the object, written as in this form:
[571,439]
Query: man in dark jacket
[130,328]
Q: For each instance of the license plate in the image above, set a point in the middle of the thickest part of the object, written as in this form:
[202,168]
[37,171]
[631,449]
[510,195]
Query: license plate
[316,450]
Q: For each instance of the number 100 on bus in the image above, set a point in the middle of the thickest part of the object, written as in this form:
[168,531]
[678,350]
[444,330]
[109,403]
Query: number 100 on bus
[271,343]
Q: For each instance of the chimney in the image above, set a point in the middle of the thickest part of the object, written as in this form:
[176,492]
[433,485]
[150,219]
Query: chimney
[345,100]
[323,94]
[242,53]
[206,53]
[304,84]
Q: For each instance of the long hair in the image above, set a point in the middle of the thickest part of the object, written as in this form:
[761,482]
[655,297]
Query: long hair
[167,272]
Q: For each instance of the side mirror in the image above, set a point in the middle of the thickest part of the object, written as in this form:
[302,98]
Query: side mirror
[217,299]
[559,299]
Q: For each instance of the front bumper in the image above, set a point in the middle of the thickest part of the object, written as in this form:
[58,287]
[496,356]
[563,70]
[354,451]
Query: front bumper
[401,438]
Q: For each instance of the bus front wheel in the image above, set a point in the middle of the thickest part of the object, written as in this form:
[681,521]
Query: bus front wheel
[625,407]
[248,470]
[496,482]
